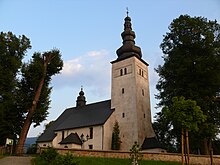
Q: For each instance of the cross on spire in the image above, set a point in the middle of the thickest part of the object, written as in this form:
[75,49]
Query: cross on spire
[127,11]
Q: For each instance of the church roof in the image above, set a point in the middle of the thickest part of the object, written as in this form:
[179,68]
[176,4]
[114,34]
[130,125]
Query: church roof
[151,143]
[73,138]
[78,117]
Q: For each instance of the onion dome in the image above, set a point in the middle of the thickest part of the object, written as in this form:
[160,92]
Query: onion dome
[128,48]
[81,99]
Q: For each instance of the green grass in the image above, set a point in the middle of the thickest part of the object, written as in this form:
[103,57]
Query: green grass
[115,161]
[107,161]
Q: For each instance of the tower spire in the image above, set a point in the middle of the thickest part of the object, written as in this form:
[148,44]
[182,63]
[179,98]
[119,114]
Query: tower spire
[81,99]
[128,48]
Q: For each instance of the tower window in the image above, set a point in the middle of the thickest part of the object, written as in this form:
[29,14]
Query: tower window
[125,70]
[144,115]
[122,90]
[139,71]
[62,135]
[91,133]
[142,92]
[142,73]
[123,115]
[121,72]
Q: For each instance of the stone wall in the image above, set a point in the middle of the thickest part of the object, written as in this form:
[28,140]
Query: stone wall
[194,159]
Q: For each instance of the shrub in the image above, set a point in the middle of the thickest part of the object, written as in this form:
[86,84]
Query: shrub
[49,155]
[67,159]
[135,153]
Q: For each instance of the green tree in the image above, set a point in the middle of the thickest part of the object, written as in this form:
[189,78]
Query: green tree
[185,114]
[35,89]
[12,51]
[48,125]
[116,142]
[191,69]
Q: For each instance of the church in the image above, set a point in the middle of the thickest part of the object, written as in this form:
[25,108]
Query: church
[90,126]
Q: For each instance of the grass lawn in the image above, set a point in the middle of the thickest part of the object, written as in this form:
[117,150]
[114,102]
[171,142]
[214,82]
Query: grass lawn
[114,161]
[108,161]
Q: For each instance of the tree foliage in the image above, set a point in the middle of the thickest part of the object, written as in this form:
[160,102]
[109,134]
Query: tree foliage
[12,51]
[185,114]
[36,79]
[20,81]
[191,53]
[32,73]
[116,142]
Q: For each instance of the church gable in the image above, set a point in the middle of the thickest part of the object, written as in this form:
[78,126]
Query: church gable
[73,138]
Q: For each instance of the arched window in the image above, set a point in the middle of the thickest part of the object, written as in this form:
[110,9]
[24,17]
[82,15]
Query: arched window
[123,115]
[125,70]
[121,72]
[62,135]
[91,133]
[122,90]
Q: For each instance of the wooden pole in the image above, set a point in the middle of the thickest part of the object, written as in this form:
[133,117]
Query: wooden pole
[187,144]
[182,137]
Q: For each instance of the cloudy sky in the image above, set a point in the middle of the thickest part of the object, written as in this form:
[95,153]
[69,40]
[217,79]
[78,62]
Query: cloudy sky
[87,32]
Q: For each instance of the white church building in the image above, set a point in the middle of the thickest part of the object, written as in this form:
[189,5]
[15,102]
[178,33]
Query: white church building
[90,126]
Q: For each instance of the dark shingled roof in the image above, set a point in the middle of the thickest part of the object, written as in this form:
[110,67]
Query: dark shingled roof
[78,117]
[73,138]
[151,143]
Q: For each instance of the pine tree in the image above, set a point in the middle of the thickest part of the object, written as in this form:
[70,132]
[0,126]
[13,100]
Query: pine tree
[116,142]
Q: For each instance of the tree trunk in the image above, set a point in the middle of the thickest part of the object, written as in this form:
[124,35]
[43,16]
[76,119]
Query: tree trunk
[182,138]
[28,120]
[210,151]
[204,147]
[187,144]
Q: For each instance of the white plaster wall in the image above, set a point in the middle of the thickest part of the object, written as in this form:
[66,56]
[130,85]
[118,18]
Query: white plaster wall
[70,146]
[107,132]
[44,144]
[96,141]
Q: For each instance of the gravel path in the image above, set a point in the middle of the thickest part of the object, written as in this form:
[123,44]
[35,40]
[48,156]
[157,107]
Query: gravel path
[16,160]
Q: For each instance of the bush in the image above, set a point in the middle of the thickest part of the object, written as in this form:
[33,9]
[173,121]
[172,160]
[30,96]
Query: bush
[49,155]
[67,159]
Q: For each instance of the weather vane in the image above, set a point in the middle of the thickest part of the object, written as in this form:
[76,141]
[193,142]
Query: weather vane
[127,11]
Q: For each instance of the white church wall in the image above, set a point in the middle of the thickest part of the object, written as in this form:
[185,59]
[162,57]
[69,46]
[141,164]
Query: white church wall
[94,140]
[107,132]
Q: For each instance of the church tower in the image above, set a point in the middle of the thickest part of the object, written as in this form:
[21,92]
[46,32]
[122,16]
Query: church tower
[130,91]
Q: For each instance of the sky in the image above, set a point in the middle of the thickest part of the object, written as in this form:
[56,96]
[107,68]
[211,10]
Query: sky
[88,33]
